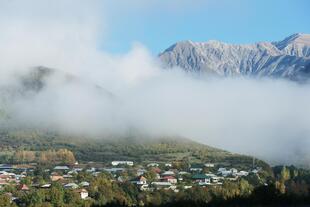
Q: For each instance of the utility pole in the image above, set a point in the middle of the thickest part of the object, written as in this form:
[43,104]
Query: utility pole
[253,163]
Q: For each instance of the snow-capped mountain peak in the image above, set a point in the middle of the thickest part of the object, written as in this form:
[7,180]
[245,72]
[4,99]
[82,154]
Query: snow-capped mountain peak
[298,38]
[297,45]
[289,58]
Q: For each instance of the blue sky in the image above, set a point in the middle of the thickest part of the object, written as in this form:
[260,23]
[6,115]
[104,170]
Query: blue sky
[159,24]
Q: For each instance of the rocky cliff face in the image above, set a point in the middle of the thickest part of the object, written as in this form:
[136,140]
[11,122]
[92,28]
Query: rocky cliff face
[288,58]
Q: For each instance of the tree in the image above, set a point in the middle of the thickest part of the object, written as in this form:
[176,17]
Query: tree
[71,197]
[280,186]
[299,188]
[150,175]
[65,156]
[5,201]
[285,174]
[198,195]
[56,194]
[33,198]
[23,156]
[245,188]
[27,181]
[62,156]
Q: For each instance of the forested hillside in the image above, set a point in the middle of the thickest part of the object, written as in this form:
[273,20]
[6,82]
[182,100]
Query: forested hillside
[139,149]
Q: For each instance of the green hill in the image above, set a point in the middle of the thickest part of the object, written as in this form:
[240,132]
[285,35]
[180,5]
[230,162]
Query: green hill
[135,148]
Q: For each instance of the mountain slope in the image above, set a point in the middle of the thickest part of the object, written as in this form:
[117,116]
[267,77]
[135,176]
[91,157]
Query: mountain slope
[42,83]
[288,58]
[39,77]
[295,45]
[135,148]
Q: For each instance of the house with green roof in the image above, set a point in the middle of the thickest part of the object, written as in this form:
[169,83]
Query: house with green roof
[201,179]
[196,167]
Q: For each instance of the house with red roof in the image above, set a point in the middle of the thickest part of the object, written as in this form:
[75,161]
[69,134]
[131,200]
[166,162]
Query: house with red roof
[23,187]
[169,178]
[141,180]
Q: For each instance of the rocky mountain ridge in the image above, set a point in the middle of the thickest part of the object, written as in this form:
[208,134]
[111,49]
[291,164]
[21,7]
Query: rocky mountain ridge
[289,58]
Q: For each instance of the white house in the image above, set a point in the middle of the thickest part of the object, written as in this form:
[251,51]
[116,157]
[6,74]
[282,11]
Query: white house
[210,174]
[221,169]
[90,170]
[77,169]
[153,164]
[116,163]
[144,187]
[226,173]
[121,179]
[141,172]
[159,185]
[71,186]
[73,172]
[183,173]
[242,173]
[61,168]
[168,165]
[202,179]
[255,171]
[215,179]
[209,165]
[157,176]
[48,185]
[83,193]
[233,171]
[140,181]
[114,170]
[84,184]
[67,176]
[167,173]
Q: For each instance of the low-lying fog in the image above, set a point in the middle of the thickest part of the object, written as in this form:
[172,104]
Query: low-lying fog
[263,117]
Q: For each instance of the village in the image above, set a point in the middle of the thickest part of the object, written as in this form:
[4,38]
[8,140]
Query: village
[151,176]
